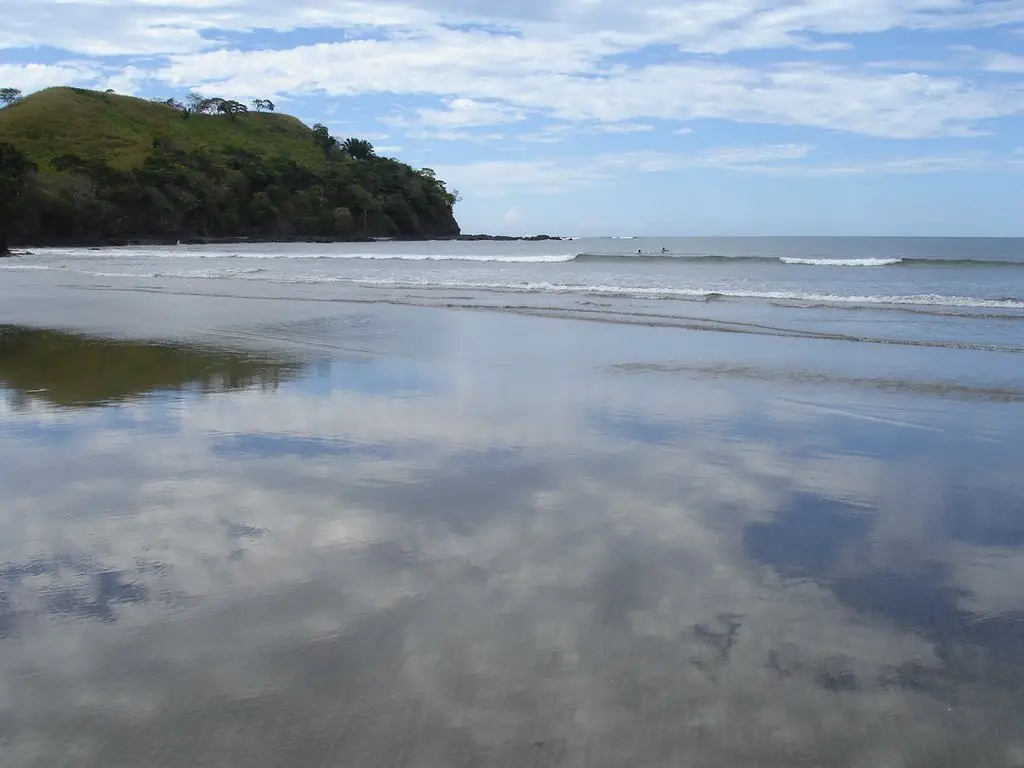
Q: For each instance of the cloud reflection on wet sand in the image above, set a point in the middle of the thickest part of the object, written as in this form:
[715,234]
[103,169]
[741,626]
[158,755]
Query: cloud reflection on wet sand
[475,571]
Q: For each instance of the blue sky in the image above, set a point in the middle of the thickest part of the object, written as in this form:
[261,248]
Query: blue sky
[607,117]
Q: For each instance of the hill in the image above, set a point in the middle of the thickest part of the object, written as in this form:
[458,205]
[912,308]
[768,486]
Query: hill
[120,129]
[84,167]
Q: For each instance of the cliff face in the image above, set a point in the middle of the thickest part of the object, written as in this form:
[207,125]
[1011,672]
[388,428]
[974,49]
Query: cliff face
[84,166]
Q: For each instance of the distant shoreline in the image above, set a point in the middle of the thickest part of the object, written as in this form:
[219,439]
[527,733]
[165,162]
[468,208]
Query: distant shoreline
[19,248]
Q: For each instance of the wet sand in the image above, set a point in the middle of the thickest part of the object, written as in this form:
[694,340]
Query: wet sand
[273,531]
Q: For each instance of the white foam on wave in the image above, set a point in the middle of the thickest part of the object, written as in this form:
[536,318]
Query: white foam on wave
[841,262]
[926,299]
[645,292]
[519,258]
[23,267]
[116,274]
[215,273]
[622,291]
[208,252]
[203,274]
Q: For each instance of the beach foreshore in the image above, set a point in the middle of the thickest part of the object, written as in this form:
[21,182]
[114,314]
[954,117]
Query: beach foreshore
[308,525]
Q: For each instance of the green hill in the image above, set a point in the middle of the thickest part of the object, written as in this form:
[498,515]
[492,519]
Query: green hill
[120,129]
[84,166]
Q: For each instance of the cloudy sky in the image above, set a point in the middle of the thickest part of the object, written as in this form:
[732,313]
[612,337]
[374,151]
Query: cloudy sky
[605,116]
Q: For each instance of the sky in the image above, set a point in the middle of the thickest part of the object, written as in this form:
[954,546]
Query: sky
[606,117]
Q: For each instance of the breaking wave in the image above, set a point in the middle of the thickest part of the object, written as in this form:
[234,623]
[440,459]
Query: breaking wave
[526,256]
[683,258]
[691,294]
[841,262]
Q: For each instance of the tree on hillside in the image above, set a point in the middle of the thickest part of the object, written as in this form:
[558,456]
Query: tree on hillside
[263,105]
[231,108]
[209,106]
[323,139]
[358,149]
[194,103]
[10,96]
[15,169]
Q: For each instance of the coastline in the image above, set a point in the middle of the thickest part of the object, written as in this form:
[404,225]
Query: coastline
[21,247]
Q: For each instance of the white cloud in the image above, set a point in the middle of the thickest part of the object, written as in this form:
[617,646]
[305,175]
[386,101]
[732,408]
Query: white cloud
[488,80]
[551,176]
[462,113]
[127,81]
[624,127]
[492,178]
[907,66]
[469,136]
[990,61]
[558,132]
[127,27]
[952,163]
[495,178]
[551,58]
[33,77]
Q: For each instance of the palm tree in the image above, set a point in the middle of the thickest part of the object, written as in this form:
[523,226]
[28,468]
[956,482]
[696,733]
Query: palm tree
[358,149]
[323,139]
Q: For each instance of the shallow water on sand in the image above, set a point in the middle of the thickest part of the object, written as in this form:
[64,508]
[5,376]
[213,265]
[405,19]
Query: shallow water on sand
[307,534]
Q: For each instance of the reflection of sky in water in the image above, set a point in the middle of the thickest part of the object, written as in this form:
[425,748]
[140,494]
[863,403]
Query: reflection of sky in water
[485,551]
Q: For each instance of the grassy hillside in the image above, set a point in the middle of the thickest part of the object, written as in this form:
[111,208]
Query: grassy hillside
[85,167]
[120,129]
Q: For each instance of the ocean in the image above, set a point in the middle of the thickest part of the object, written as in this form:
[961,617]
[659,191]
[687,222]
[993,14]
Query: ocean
[747,502]
[961,291]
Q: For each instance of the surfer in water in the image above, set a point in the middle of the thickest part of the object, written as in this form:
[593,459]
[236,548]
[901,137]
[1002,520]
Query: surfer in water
[664,250]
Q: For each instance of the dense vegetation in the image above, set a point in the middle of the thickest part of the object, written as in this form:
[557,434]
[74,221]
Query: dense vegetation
[79,166]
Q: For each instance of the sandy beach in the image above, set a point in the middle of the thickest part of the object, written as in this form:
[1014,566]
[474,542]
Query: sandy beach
[271,525]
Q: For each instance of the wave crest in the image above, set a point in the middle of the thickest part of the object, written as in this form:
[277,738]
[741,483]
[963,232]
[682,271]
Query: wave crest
[841,262]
